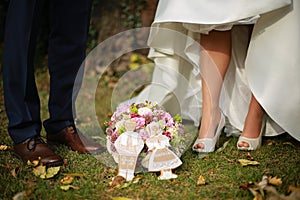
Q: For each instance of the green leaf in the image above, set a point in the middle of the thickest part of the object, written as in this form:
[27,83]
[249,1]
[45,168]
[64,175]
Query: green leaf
[177,118]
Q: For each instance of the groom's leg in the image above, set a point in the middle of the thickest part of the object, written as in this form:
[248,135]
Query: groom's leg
[20,93]
[69,22]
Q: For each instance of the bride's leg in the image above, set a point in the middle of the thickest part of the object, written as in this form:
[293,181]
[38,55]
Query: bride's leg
[215,58]
[253,122]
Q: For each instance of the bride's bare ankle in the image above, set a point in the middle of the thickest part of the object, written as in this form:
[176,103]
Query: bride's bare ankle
[209,124]
[252,127]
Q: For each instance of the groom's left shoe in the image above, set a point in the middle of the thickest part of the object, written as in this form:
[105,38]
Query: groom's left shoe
[74,139]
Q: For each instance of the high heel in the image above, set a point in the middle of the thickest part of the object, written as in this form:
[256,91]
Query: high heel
[210,143]
[254,143]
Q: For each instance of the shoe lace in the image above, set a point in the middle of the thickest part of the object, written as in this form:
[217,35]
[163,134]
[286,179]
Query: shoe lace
[32,142]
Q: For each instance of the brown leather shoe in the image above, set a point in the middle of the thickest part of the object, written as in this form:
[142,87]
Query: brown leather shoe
[75,140]
[35,148]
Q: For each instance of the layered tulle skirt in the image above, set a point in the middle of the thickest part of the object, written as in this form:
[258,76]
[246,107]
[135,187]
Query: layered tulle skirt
[265,61]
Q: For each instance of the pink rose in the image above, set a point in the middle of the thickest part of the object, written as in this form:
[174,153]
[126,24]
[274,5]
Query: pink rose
[144,134]
[169,120]
[140,121]
[109,131]
[114,136]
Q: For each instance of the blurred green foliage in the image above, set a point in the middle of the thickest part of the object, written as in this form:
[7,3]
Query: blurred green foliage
[131,12]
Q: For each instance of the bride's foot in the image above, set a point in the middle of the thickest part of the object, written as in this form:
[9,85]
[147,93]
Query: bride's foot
[252,135]
[206,142]
[253,128]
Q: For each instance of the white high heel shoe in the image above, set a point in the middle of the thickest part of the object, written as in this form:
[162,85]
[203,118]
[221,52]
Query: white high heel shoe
[254,143]
[210,143]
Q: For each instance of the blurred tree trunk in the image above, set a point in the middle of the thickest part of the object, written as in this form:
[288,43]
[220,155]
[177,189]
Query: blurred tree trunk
[149,12]
[108,17]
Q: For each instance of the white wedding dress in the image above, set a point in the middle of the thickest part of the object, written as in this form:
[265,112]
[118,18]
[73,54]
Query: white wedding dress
[268,66]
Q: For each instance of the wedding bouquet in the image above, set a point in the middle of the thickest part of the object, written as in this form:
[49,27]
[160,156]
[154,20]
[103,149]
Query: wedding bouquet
[143,114]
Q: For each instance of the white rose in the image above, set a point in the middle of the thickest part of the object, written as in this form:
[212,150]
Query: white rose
[162,124]
[144,111]
[120,124]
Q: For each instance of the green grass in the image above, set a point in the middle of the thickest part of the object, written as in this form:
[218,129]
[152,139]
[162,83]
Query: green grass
[278,156]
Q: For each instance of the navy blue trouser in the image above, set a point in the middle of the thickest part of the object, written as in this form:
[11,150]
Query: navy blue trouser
[69,20]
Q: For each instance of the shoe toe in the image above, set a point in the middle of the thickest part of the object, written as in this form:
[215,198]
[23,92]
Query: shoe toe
[35,149]
[52,160]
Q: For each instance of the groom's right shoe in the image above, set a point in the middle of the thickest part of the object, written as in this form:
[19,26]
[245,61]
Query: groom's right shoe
[76,140]
[34,149]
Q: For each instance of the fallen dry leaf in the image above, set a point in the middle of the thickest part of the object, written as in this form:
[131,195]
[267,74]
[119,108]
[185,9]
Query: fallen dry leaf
[75,175]
[201,180]
[33,163]
[15,171]
[39,170]
[121,198]
[45,173]
[224,146]
[119,182]
[275,181]
[4,147]
[68,187]
[50,172]
[245,162]
[67,180]
[264,191]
